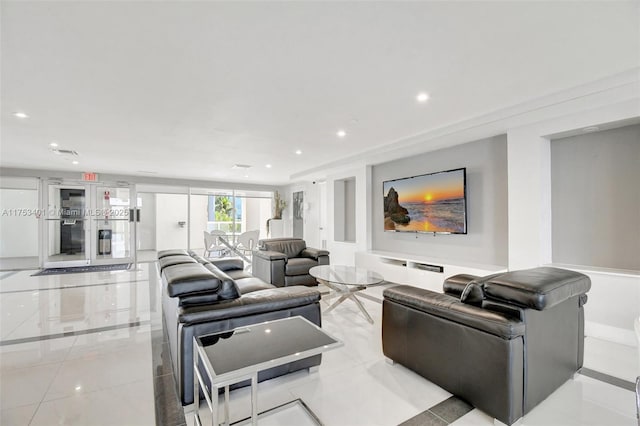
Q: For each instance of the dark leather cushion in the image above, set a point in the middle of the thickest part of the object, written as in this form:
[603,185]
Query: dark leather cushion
[228,288]
[450,308]
[537,288]
[173,252]
[199,259]
[228,264]
[238,274]
[299,266]
[473,293]
[455,284]
[270,300]
[251,284]
[189,278]
[198,299]
[174,260]
[291,247]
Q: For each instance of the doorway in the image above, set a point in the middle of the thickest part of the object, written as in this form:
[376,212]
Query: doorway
[87,224]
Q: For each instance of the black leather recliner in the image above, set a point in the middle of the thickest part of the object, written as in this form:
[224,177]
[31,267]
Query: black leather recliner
[502,342]
[286,261]
[203,297]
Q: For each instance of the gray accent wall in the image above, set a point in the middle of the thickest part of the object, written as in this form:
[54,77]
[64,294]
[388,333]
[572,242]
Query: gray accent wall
[486,241]
[595,193]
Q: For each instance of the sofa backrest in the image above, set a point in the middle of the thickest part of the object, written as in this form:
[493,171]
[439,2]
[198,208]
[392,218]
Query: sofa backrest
[291,247]
[195,283]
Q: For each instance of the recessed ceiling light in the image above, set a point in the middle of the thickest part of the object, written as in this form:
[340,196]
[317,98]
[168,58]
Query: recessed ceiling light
[75,162]
[341,133]
[591,129]
[298,152]
[422,97]
[20,114]
[268,166]
[53,144]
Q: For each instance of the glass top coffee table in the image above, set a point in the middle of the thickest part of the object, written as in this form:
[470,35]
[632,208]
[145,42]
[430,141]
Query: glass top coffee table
[346,281]
[222,359]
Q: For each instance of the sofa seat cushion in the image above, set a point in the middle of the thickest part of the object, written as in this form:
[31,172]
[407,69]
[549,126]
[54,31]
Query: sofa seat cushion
[172,252]
[299,266]
[537,288]
[189,278]
[450,308]
[175,260]
[251,284]
[238,274]
[269,300]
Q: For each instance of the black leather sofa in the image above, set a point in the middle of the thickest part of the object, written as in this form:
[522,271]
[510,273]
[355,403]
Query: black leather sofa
[502,342]
[203,297]
[286,261]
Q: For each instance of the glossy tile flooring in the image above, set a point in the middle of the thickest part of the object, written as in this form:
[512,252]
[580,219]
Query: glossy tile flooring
[89,349]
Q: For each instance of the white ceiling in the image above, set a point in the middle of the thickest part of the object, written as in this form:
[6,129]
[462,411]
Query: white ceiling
[188,89]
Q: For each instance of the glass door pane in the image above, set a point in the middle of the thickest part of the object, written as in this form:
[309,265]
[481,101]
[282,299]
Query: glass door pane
[66,227]
[112,224]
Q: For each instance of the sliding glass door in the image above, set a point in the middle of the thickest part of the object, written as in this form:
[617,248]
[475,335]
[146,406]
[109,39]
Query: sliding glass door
[230,211]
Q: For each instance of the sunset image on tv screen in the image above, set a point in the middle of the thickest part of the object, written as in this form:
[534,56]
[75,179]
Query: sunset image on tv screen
[426,203]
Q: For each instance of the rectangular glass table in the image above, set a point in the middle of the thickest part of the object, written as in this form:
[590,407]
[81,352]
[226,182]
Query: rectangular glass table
[222,359]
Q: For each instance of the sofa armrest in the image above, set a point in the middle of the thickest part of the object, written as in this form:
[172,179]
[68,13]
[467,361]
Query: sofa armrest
[450,308]
[229,264]
[269,255]
[313,253]
[269,300]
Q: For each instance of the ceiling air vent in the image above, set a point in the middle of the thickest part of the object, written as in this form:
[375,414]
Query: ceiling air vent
[65,152]
[241,166]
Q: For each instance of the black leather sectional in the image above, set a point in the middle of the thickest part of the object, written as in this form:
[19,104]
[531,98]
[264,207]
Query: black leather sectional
[503,342]
[203,297]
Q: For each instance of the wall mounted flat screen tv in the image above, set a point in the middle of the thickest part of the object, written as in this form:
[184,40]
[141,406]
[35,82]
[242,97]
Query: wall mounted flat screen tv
[430,203]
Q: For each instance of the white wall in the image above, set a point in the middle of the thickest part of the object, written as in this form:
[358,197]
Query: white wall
[596,198]
[256,213]
[146,228]
[486,241]
[171,209]
[18,228]
[342,252]
[197,221]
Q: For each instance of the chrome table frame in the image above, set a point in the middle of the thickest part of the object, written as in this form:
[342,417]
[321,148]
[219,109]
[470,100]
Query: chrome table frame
[347,291]
[251,372]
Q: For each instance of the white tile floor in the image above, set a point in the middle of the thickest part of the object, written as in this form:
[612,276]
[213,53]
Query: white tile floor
[103,374]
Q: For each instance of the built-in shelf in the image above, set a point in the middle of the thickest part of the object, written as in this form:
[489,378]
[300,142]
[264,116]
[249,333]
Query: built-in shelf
[420,271]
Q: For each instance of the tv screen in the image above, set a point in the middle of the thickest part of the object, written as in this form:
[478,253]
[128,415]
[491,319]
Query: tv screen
[431,203]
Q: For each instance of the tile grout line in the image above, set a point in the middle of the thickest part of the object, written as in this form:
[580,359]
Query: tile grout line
[72,333]
[607,378]
[68,287]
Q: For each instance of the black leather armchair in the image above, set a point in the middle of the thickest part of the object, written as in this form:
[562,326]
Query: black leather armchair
[203,297]
[503,342]
[286,261]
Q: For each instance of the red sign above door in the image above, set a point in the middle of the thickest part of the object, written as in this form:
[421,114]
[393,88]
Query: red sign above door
[89,176]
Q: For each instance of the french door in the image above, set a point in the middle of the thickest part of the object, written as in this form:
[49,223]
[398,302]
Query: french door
[87,223]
